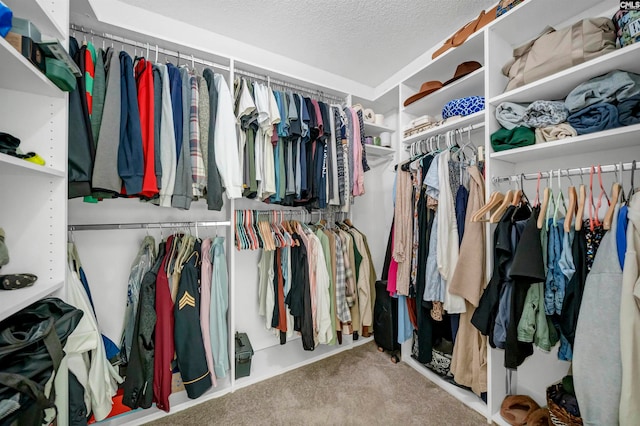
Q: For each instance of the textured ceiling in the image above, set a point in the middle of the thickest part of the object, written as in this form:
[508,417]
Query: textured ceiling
[364,40]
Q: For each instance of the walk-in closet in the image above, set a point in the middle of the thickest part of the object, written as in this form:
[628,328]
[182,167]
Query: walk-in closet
[202,198]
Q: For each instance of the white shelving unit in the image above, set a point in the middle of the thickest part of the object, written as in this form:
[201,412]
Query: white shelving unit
[376,129]
[43,13]
[33,209]
[18,74]
[469,120]
[469,85]
[35,111]
[379,151]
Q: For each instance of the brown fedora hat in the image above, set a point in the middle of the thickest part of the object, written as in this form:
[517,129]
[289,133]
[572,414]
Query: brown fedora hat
[463,69]
[425,89]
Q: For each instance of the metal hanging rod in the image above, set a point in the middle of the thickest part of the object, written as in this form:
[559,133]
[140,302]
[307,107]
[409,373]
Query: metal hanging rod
[271,81]
[149,47]
[470,128]
[142,225]
[609,168]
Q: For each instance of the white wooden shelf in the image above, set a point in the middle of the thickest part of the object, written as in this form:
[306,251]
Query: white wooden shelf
[475,118]
[444,66]
[14,300]
[497,419]
[13,165]
[379,151]
[279,359]
[21,75]
[37,11]
[178,401]
[527,20]
[622,137]
[371,129]
[468,398]
[558,85]
[469,85]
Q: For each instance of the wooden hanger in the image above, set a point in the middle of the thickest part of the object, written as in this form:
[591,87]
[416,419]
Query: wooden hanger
[571,208]
[497,215]
[616,191]
[494,200]
[546,195]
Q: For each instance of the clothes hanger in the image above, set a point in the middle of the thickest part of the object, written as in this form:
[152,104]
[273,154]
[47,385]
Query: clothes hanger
[604,193]
[582,197]
[494,200]
[502,208]
[573,205]
[632,190]
[559,202]
[616,190]
[546,196]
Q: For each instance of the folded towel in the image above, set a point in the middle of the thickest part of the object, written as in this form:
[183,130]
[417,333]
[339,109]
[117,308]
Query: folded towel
[594,118]
[545,113]
[509,114]
[629,111]
[616,85]
[553,133]
[517,137]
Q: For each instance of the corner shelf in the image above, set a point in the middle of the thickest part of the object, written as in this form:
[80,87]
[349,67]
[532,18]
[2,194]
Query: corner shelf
[475,118]
[21,75]
[444,66]
[36,12]
[17,165]
[376,129]
[558,85]
[178,401]
[622,137]
[379,151]
[14,300]
[468,398]
[469,85]
[529,18]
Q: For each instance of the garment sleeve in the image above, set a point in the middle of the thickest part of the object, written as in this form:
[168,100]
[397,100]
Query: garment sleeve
[226,144]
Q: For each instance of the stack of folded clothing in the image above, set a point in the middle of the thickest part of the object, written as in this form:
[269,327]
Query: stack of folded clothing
[602,103]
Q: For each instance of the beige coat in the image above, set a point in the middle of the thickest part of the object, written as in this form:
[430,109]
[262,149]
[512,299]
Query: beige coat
[469,360]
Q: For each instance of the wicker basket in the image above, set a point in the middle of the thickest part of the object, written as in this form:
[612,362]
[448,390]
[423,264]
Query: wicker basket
[558,415]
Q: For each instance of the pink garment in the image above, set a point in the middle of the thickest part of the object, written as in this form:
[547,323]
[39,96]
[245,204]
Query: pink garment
[358,170]
[205,303]
[392,279]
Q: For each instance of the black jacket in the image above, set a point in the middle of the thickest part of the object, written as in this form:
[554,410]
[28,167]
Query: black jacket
[138,385]
[81,147]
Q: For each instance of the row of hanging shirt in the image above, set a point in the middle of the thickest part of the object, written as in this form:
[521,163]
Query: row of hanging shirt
[436,254]
[319,280]
[172,135]
[296,150]
[175,323]
[154,131]
[563,274]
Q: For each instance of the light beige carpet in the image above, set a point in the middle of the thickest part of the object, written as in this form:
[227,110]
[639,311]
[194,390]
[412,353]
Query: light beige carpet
[356,387]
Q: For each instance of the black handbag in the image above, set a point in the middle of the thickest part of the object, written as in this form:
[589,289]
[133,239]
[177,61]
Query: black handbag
[31,342]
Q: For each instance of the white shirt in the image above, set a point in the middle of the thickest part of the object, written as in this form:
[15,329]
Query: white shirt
[97,376]
[226,142]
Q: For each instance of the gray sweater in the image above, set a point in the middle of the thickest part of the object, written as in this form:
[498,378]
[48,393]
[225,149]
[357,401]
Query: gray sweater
[597,362]
[105,169]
